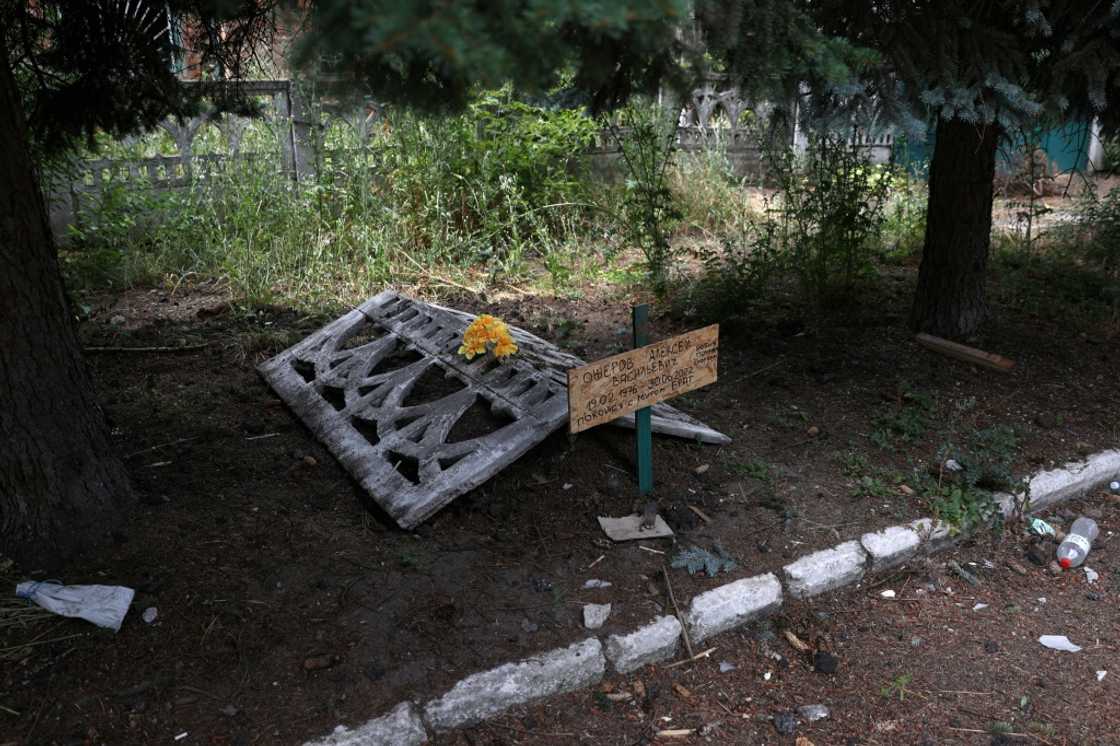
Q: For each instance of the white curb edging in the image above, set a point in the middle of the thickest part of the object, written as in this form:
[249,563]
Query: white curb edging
[825,570]
[483,695]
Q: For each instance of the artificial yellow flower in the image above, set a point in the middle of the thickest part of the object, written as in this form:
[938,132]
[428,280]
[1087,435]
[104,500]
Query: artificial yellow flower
[484,331]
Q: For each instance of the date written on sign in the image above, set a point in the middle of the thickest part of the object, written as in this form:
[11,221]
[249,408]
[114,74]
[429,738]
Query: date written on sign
[624,383]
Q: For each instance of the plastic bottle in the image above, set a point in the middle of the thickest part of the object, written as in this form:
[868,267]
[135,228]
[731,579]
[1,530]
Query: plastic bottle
[1077,542]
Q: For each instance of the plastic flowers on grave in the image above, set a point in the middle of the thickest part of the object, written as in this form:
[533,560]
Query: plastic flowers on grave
[487,333]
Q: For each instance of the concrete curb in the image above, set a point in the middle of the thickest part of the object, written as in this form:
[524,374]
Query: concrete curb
[489,693]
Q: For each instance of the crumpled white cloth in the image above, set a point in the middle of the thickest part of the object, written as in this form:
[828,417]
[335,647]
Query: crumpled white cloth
[104,605]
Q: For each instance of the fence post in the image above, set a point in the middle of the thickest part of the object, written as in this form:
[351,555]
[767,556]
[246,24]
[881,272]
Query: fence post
[303,128]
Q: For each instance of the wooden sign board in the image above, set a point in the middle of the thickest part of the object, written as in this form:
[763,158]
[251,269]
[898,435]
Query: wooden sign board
[616,386]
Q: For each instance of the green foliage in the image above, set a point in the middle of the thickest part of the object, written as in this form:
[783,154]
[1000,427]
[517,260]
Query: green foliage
[489,188]
[897,687]
[963,499]
[756,469]
[907,422]
[648,210]
[694,559]
[828,214]
[1097,229]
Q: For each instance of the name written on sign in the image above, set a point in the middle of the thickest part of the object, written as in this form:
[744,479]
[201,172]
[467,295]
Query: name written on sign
[624,383]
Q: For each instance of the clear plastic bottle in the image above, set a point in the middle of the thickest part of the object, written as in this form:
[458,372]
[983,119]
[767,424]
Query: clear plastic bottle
[1077,543]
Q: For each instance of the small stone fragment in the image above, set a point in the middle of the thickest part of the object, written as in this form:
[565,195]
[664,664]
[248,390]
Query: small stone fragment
[150,614]
[991,647]
[230,710]
[595,615]
[813,431]
[812,713]
[701,469]
[1038,555]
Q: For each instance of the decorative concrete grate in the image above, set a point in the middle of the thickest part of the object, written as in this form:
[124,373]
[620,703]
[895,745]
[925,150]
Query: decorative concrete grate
[417,425]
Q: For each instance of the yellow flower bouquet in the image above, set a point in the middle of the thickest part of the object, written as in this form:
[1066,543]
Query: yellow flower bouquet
[484,331]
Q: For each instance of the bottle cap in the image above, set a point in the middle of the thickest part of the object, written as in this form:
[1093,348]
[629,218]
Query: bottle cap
[1064,562]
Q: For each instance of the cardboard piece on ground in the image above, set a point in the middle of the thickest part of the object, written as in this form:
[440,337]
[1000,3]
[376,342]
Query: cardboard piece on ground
[629,527]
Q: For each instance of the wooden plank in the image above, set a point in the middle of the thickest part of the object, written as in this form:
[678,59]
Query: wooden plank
[965,353]
[618,385]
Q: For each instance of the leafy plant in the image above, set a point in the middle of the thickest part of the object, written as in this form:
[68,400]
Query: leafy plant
[694,559]
[648,208]
[897,687]
[829,210]
[756,469]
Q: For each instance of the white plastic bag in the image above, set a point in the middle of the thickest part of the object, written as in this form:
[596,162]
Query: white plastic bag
[104,605]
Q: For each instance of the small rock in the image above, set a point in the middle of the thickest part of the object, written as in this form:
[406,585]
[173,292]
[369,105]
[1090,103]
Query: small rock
[116,319]
[310,461]
[595,615]
[1054,568]
[529,627]
[541,585]
[813,431]
[596,583]
[150,614]
[1017,567]
[991,647]
[231,710]
[701,469]
[725,666]
[906,490]
[785,723]
[812,713]
[318,662]
[1093,596]
[825,662]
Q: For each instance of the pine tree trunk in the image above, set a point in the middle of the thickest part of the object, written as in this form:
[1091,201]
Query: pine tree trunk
[61,485]
[950,300]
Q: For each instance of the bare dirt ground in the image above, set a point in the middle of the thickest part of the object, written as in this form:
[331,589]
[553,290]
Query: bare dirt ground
[940,662]
[288,604]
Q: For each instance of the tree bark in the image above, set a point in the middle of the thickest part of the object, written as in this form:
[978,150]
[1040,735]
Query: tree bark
[61,485]
[950,300]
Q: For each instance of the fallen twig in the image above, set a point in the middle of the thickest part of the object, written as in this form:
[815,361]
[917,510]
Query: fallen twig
[700,513]
[161,445]
[158,348]
[680,616]
[693,659]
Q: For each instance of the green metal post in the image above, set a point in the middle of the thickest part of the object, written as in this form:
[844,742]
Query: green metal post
[642,432]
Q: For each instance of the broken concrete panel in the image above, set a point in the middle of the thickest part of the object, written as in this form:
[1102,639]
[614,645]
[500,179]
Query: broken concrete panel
[825,570]
[352,384]
[482,695]
[733,605]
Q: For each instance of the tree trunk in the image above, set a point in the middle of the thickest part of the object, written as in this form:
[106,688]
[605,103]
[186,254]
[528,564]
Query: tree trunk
[61,486]
[950,301]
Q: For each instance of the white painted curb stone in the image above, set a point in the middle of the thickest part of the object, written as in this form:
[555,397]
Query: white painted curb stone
[825,570]
[649,644]
[733,605]
[890,547]
[401,727]
[485,694]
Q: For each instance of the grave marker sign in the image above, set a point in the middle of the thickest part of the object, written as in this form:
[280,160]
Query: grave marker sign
[618,385]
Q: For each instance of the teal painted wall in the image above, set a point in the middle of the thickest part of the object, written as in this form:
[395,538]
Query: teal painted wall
[1067,147]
